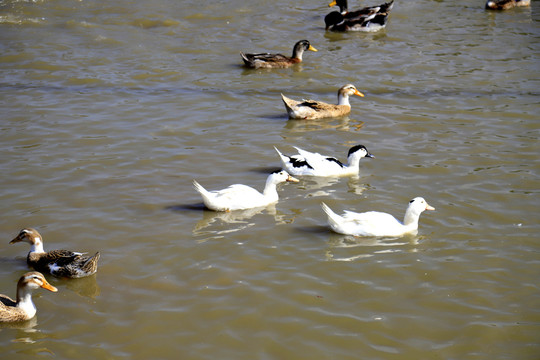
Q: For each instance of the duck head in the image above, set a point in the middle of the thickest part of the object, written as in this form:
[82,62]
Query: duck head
[33,280]
[281,176]
[31,236]
[361,151]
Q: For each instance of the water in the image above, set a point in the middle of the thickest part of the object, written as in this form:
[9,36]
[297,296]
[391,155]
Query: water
[109,110]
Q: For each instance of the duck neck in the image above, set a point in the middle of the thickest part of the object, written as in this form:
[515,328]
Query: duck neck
[297,53]
[354,162]
[24,301]
[343,8]
[411,219]
[37,247]
[270,189]
[343,100]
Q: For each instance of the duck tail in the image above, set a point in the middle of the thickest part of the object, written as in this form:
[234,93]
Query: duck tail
[289,103]
[200,188]
[90,265]
[281,156]
[333,218]
[245,59]
[387,7]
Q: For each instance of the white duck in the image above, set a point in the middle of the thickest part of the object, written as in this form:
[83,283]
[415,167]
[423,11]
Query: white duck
[315,164]
[239,197]
[23,308]
[374,223]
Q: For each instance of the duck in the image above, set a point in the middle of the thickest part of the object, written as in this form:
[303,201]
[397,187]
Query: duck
[368,19]
[315,164]
[311,109]
[241,197]
[374,223]
[61,263]
[23,308]
[506,4]
[267,60]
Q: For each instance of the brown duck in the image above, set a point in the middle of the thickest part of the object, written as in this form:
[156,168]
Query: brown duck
[311,109]
[23,308]
[266,60]
[61,263]
[506,4]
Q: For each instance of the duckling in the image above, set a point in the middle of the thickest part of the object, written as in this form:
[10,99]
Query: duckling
[23,308]
[374,223]
[240,197]
[61,263]
[266,60]
[311,109]
[314,164]
[506,4]
[368,19]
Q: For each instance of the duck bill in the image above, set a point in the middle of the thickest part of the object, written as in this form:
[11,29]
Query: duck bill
[16,240]
[49,287]
[358,93]
[429,207]
[370,155]
[292,179]
[333,3]
[311,48]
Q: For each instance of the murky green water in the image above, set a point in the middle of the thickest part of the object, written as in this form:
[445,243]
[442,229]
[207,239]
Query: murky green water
[110,109]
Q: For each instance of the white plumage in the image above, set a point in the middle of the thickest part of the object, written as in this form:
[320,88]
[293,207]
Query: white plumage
[374,223]
[315,164]
[239,196]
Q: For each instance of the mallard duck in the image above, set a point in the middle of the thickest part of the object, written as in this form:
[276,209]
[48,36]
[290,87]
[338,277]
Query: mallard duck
[374,223]
[308,163]
[311,109]
[506,4]
[62,263]
[239,197]
[23,308]
[266,60]
[368,19]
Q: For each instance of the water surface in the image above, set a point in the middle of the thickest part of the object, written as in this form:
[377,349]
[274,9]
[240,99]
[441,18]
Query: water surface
[111,109]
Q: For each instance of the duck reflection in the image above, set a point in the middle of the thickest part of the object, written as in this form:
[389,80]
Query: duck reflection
[340,246]
[25,327]
[239,219]
[86,286]
[343,123]
[315,185]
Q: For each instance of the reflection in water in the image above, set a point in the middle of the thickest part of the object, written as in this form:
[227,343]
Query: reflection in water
[355,185]
[25,330]
[86,286]
[316,184]
[235,220]
[343,124]
[371,246]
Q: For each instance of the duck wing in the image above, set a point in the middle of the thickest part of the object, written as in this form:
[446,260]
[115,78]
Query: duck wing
[9,312]
[321,162]
[74,266]
[267,57]
[41,261]
[6,302]
[373,223]
[236,196]
[370,11]
[316,105]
